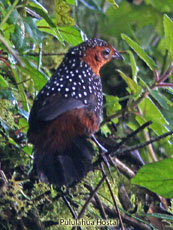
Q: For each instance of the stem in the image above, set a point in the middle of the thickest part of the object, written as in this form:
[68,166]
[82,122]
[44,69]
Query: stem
[139,146]
[156,75]
[162,85]
[11,50]
[164,62]
[40,56]
[118,165]
[122,111]
[70,208]
[133,134]
[152,155]
[8,13]
[163,78]
[91,196]
[113,198]
[44,54]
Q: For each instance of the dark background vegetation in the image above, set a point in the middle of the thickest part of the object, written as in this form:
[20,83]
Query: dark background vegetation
[34,36]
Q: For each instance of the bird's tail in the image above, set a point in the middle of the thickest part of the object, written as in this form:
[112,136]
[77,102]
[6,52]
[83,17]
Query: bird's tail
[65,168]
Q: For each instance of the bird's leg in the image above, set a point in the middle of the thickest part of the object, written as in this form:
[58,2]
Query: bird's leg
[104,150]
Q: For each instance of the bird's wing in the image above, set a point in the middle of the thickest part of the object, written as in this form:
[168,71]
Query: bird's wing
[55,105]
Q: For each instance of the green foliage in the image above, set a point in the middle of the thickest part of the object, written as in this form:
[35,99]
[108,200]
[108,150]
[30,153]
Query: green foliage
[168,26]
[112,105]
[157,177]
[62,14]
[128,16]
[134,94]
[114,4]
[139,52]
[133,86]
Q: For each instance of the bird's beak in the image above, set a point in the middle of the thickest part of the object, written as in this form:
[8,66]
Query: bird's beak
[117,56]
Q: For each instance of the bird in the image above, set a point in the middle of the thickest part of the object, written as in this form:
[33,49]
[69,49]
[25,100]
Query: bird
[67,112]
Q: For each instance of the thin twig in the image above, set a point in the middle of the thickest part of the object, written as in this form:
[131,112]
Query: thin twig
[45,54]
[91,196]
[7,15]
[117,147]
[164,62]
[32,13]
[34,54]
[122,168]
[99,203]
[139,146]
[11,50]
[142,127]
[131,221]
[70,208]
[165,85]
[113,198]
[152,155]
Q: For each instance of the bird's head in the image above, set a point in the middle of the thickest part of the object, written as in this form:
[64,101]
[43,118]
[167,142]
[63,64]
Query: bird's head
[95,53]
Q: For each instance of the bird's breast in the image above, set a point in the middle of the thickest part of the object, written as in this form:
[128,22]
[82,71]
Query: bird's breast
[60,132]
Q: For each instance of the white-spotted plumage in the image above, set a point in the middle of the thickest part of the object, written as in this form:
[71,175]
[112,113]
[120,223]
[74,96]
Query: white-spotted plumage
[74,78]
[65,113]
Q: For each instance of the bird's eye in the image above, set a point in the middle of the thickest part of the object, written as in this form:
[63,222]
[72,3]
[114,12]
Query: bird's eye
[106,52]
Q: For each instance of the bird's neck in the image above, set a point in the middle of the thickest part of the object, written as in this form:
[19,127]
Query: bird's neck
[91,60]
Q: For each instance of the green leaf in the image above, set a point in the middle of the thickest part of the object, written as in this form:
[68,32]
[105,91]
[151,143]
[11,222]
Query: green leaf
[157,177]
[32,32]
[72,2]
[150,112]
[19,35]
[112,105]
[38,4]
[113,3]
[134,87]
[23,125]
[4,125]
[92,5]
[63,17]
[161,216]
[13,142]
[105,130]
[168,27]
[8,46]
[159,98]
[140,52]
[23,113]
[44,26]
[165,6]
[9,30]
[8,13]
[39,78]
[133,66]
[28,149]
[7,94]
[14,17]
[3,82]
[71,35]
[129,18]
[68,33]
[21,90]
[44,14]
[25,34]
[133,124]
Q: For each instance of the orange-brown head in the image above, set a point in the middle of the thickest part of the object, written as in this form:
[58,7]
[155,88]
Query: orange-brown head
[95,53]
